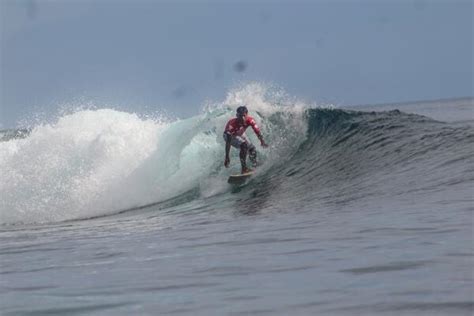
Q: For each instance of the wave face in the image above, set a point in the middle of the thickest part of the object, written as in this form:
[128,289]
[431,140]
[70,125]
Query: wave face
[376,158]
[95,163]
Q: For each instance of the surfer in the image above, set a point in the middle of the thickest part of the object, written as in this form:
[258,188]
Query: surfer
[234,135]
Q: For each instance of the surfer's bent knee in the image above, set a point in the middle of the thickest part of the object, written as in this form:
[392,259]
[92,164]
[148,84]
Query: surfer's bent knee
[252,148]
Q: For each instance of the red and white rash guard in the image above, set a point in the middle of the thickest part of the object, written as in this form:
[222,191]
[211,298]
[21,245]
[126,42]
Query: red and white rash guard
[235,128]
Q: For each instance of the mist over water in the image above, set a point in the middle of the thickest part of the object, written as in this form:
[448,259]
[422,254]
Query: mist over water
[352,211]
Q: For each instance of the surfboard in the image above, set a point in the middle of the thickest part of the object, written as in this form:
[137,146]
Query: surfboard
[239,178]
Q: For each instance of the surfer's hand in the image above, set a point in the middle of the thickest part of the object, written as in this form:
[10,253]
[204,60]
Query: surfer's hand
[262,142]
[226,162]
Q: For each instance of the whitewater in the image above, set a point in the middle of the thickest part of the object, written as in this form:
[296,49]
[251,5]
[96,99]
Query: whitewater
[352,211]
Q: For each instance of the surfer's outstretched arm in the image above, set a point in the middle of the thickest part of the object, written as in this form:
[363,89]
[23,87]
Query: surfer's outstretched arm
[256,129]
[262,142]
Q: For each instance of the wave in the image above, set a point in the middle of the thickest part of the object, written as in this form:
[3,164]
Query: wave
[350,156]
[98,162]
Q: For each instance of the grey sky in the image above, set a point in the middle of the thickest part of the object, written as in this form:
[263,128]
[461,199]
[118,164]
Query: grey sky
[146,55]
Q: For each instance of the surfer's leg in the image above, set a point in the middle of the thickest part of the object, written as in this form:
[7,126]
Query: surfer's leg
[253,155]
[242,143]
[243,156]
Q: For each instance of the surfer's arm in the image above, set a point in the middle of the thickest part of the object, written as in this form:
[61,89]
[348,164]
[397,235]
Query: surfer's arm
[256,129]
[262,142]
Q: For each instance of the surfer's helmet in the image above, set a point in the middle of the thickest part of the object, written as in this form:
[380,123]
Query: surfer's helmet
[241,111]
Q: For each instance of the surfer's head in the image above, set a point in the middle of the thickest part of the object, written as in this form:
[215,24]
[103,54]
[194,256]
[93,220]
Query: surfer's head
[241,112]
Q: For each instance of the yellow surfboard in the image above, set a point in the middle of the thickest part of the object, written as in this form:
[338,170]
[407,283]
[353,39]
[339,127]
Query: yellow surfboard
[239,178]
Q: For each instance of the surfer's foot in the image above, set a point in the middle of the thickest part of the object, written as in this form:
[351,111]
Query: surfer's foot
[246,170]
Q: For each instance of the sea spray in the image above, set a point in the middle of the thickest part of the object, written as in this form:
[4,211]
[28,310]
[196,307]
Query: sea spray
[62,170]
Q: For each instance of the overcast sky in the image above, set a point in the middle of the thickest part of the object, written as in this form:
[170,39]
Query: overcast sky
[143,55]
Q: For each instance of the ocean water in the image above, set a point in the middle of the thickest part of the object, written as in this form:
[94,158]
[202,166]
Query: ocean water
[353,211]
